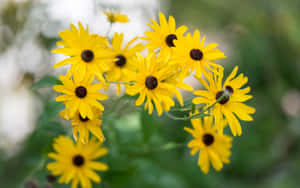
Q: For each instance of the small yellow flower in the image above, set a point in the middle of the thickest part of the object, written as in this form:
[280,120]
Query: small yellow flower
[82,126]
[156,83]
[80,95]
[230,106]
[87,52]
[214,147]
[164,35]
[124,66]
[113,17]
[76,162]
[191,54]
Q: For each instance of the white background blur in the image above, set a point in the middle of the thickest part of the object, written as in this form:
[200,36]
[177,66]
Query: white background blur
[19,108]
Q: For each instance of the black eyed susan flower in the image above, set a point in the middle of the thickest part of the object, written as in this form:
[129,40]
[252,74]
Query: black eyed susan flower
[80,94]
[76,162]
[231,106]
[124,67]
[87,52]
[191,54]
[214,147]
[82,126]
[156,83]
[164,35]
[113,17]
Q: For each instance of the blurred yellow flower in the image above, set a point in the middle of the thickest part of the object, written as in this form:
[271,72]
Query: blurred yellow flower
[231,105]
[214,147]
[75,162]
[124,66]
[88,52]
[113,17]
[164,35]
[82,126]
[80,94]
[191,54]
[156,82]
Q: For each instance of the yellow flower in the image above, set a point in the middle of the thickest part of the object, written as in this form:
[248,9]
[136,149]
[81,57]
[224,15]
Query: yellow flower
[164,35]
[214,147]
[113,17]
[191,54]
[75,162]
[88,52]
[124,66]
[156,82]
[80,94]
[231,105]
[82,126]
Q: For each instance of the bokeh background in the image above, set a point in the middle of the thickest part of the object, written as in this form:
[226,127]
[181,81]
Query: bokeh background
[262,37]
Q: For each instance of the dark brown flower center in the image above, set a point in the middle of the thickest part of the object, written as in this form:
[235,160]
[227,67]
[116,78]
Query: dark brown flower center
[196,54]
[121,61]
[81,92]
[151,82]
[83,119]
[78,160]
[228,91]
[87,55]
[170,40]
[208,139]
[51,178]
[225,98]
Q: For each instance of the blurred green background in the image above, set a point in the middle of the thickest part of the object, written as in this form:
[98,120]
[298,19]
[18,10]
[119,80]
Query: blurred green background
[262,37]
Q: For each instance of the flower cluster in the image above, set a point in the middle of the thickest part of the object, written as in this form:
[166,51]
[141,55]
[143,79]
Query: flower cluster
[156,78]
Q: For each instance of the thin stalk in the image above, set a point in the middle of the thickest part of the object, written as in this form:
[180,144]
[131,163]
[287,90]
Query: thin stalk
[119,82]
[194,115]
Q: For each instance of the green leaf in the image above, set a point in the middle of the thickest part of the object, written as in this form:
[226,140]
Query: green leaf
[188,102]
[47,81]
[128,97]
[199,116]
[51,110]
[193,108]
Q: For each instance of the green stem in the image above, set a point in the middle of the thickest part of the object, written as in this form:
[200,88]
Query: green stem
[119,82]
[109,29]
[185,109]
[194,115]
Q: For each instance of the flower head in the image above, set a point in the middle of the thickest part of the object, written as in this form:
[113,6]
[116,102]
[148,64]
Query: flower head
[191,54]
[87,52]
[80,94]
[113,17]
[124,66]
[82,126]
[75,162]
[156,83]
[233,95]
[164,35]
[214,147]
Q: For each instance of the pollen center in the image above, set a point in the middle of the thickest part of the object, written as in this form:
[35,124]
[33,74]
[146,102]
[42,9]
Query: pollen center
[87,55]
[81,92]
[83,119]
[121,61]
[224,100]
[208,139]
[151,82]
[78,160]
[228,91]
[196,54]
[170,40]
